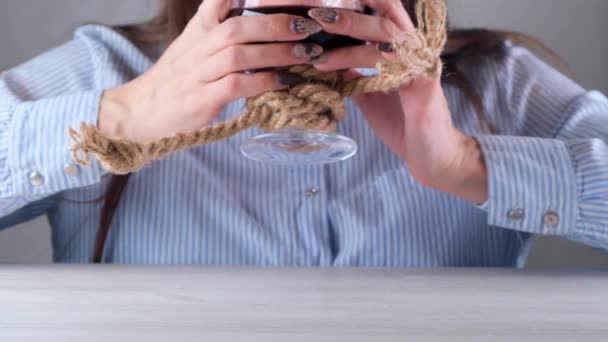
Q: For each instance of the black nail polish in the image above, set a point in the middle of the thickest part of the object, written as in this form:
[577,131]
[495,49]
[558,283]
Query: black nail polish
[289,79]
[386,47]
[326,15]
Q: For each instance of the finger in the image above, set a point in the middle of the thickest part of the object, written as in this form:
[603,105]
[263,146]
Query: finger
[256,29]
[364,56]
[213,12]
[393,10]
[360,26]
[237,58]
[238,85]
[210,13]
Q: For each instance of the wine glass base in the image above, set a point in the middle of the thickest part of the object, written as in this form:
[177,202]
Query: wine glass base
[299,147]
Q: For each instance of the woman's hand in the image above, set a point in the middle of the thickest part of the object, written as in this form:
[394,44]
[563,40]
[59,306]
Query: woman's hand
[202,71]
[415,121]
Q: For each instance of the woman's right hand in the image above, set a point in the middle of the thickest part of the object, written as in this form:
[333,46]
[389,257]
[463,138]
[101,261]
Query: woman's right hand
[203,70]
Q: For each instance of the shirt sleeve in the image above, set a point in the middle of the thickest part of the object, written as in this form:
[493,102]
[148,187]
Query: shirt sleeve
[35,160]
[548,170]
[40,100]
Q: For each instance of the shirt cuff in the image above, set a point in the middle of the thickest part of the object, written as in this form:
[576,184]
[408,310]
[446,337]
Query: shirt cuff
[39,158]
[532,184]
[6,183]
[591,165]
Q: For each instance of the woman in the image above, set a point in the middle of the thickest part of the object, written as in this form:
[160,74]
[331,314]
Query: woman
[454,172]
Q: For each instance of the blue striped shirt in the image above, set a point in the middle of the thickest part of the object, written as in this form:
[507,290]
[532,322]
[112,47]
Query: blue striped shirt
[548,173]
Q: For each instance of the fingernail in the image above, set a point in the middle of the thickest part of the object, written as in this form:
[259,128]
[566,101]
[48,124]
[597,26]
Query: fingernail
[307,50]
[326,15]
[305,26]
[322,58]
[289,79]
[386,47]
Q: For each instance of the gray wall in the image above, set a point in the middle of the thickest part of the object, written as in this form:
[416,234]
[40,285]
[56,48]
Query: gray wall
[575,29]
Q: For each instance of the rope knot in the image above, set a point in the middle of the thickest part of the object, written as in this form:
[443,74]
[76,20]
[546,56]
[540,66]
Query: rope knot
[312,105]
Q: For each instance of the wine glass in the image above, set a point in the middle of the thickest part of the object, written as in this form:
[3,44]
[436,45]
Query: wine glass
[300,146]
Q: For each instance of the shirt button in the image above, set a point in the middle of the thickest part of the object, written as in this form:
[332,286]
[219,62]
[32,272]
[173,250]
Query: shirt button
[516,214]
[551,218]
[36,178]
[71,169]
[312,192]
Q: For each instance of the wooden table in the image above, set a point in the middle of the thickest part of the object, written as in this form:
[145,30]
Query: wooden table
[112,303]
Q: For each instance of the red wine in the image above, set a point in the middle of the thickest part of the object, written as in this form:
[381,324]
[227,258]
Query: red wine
[327,40]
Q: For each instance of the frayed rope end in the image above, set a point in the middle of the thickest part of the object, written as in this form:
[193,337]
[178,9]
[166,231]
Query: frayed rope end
[116,155]
[80,152]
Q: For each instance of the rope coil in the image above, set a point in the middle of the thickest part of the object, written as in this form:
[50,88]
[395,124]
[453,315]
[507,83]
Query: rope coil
[315,104]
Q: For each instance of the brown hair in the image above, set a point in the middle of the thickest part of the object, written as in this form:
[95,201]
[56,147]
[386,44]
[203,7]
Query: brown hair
[175,15]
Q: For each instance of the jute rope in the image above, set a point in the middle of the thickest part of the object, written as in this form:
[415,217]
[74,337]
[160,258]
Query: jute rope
[317,103]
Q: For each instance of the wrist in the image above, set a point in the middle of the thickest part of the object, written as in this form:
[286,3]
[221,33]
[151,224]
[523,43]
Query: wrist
[469,180]
[114,113]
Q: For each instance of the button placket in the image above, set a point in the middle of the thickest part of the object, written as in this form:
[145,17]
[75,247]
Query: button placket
[312,215]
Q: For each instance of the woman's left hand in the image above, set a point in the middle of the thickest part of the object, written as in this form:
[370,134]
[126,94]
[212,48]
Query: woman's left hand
[415,121]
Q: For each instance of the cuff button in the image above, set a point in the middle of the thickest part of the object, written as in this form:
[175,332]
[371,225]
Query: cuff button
[36,179]
[551,218]
[516,214]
